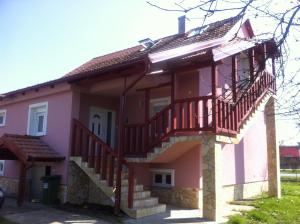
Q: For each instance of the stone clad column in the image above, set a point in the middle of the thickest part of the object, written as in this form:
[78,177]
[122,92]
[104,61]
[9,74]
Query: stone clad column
[273,150]
[212,178]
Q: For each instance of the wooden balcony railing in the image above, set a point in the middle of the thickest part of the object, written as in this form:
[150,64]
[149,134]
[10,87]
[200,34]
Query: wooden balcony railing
[184,115]
[195,115]
[100,156]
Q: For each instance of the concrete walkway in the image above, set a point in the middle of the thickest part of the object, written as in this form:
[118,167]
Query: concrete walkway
[34,213]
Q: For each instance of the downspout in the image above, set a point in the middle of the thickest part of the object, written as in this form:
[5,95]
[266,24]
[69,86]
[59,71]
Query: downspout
[121,135]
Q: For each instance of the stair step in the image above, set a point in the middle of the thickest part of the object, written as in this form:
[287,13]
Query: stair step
[138,195]
[146,211]
[137,187]
[145,202]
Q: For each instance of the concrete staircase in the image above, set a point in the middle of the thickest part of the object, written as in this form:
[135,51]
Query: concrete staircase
[143,203]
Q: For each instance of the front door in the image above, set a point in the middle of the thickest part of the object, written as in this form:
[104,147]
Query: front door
[98,122]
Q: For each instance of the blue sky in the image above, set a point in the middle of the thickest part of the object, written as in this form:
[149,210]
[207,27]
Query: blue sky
[42,40]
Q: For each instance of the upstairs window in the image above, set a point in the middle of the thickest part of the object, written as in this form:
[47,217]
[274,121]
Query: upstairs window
[2,117]
[37,119]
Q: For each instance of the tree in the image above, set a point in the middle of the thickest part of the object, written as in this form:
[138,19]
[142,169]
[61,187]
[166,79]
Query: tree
[281,22]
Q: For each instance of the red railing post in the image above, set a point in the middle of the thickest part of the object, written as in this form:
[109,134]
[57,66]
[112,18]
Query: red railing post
[73,140]
[98,159]
[130,185]
[197,126]
[205,114]
[86,148]
[92,154]
[214,96]
[111,171]
[188,115]
[104,164]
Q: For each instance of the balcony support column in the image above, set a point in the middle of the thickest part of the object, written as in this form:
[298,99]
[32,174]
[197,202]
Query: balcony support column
[212,179]
[273,150]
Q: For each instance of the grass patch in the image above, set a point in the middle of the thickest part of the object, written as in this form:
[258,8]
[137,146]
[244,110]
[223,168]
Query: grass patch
[294,171]
[5,221]
[290,179]
[271,210]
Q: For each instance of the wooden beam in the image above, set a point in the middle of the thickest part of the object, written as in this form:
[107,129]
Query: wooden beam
[22,184]
[154,87]
[195,66]
[132,70]
[146,104]
[214,83]
[251,63]
[233,77]
[172,87]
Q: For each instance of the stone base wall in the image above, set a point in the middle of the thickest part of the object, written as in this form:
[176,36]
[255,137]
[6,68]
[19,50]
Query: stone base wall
[81,189]
[9,185]
[183,197]
[192,197]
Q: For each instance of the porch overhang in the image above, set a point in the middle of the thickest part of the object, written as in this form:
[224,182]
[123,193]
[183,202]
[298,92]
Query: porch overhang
[30,151]
[27,149]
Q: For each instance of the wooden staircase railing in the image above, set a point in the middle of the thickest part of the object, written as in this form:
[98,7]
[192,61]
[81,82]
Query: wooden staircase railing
[100,156]
[230,117]
[195,115]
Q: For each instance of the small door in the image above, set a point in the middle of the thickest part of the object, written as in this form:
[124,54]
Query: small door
[98,122]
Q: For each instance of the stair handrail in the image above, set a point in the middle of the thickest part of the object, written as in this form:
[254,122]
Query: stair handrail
[237,112]
[83,147]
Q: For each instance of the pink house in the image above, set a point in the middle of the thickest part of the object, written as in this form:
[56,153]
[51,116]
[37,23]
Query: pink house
[186,120]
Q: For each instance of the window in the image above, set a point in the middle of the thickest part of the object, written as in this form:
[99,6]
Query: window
[2,117]
[163,177]
[37,119]
[2,167]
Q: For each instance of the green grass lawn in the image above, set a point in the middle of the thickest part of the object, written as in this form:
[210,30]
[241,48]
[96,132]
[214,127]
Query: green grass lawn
[271,210]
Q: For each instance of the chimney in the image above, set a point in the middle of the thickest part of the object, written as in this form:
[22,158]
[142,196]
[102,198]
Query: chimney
[181,24]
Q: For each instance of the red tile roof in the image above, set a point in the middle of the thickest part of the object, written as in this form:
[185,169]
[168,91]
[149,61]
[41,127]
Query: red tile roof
[212,31]
[29,148]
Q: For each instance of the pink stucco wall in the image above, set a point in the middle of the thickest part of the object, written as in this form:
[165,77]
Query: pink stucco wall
[187,169]
[58,123]
[247,161]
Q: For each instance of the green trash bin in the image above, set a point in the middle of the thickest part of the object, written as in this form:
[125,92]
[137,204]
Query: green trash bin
[50,189]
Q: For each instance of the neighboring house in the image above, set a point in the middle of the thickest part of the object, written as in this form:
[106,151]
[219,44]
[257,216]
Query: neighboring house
[186,120]
[289,157]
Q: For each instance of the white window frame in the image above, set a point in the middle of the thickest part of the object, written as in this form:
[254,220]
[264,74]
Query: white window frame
[3,164]
[29,121]
[4,117]
[164,173]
